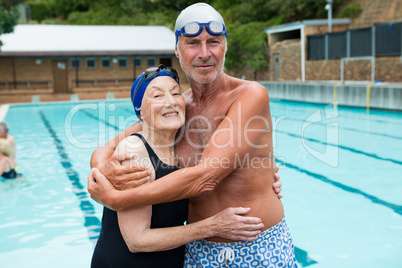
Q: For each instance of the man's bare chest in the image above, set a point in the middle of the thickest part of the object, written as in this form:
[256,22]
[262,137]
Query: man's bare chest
[199,127]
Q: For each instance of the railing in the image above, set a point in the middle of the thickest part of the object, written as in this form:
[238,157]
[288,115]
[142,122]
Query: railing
[25,84]
[103,82]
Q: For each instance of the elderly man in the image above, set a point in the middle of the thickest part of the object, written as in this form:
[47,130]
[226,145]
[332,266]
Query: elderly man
[225,147]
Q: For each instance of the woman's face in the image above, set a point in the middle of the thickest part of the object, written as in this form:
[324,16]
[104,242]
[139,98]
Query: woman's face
[163,106]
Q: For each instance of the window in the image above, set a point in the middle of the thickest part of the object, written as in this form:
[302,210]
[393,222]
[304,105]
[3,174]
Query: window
[91,62]
[166,61]
[151,61]
[106,62]
[122,62]
[137,61]
[75,63]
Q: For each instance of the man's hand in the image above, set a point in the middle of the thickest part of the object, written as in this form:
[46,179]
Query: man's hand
[124,176]
[277,185]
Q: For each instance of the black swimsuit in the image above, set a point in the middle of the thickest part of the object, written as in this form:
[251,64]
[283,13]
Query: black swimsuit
[10,174]
[111,251]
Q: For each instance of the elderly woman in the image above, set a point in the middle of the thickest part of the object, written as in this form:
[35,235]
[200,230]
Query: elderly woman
[154,236]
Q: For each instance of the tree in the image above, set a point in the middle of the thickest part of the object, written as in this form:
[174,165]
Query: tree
[9,15]
[247,46]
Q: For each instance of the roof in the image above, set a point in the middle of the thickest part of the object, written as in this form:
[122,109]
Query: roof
[52,40]
[298,24]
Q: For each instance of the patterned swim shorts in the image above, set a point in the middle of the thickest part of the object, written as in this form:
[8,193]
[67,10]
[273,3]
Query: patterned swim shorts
[272,248]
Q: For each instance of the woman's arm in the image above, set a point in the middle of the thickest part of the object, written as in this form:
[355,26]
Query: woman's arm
[135,227]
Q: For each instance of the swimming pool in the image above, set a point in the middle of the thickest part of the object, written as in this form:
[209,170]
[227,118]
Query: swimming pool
[341,171]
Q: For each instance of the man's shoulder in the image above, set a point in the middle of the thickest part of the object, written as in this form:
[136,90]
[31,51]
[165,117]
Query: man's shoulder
[250,90]
[242,84]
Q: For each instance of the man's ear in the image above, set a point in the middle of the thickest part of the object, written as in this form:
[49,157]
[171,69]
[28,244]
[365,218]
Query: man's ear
[176,51]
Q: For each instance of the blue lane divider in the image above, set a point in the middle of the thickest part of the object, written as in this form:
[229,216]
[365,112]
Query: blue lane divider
[103,121]
[128,110]
[92,223]
[355,110]
[372,198]
[350,129]
[353,150]
[303,258]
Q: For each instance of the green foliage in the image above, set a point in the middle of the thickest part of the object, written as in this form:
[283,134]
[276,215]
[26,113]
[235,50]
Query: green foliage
[351,10]
[9,4]
[9,15]
[39,11]
[301,10]
[100,13]
[253,10]
[247,46]
[62,8]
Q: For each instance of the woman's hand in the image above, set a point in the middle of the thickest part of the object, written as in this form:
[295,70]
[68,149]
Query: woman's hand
[277,185]
[231,224]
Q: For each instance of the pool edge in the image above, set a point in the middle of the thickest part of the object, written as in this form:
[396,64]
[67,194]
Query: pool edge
[3,111]
[64,102]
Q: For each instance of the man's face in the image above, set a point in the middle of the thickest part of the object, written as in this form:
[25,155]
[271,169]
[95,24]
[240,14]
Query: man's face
[202,57]
[3,133]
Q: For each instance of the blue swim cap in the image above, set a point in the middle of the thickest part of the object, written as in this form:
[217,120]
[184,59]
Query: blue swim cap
[142,82]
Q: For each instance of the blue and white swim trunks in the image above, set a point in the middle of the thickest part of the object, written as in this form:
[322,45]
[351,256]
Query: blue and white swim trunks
[272,248]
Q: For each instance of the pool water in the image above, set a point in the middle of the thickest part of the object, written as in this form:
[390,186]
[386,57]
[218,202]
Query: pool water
[340,168]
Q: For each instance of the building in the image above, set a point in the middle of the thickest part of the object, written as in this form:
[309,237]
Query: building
[367,48]
[55,62]
[287,45]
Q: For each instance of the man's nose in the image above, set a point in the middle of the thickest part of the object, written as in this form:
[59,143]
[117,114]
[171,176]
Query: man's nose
[203,53]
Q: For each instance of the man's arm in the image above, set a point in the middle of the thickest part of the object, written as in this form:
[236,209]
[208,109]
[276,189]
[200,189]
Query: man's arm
[110,165]
[252,107]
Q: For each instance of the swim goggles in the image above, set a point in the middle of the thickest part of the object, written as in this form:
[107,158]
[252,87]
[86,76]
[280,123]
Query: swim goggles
[194,28]
[142,82]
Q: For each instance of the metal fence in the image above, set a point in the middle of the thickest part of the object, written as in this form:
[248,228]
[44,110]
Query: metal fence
[383,39]
[25,84]
[388,39]
[361,42]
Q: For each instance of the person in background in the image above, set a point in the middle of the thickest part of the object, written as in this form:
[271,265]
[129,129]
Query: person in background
[8,161]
